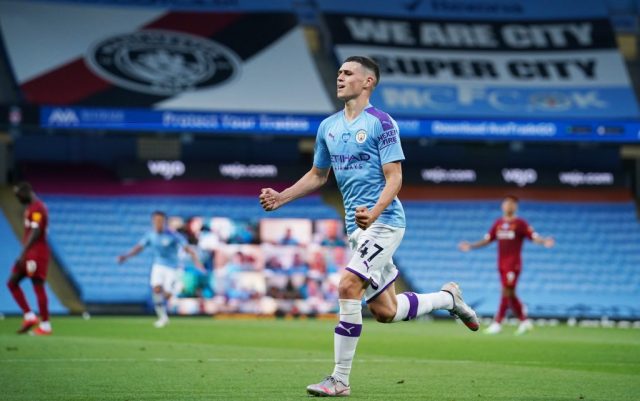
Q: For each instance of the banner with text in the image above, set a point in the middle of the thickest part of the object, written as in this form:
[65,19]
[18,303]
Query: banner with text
[514,176]
[555,63]
[210,123]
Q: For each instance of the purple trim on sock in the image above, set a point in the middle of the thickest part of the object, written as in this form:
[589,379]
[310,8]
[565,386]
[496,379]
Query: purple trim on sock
[413,305]
[357,273]
[374,296]
[348,329]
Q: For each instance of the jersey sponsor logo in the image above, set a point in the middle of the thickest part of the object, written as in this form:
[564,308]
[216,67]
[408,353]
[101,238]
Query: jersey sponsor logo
[349,162]
[350,158]
[388,138]
[506,234]
[331,136]
[162,63]
[361,136]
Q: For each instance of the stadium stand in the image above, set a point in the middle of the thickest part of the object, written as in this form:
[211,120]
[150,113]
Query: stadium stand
[592,271]
[88,232]
[10,250]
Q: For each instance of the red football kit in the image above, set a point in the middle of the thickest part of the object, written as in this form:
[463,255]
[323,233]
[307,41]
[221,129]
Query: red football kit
[510,233]
[36,258]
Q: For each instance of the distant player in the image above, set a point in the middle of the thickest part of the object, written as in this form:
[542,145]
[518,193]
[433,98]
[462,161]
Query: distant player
[33,261]
[165,245]
[362,145]
[510,231]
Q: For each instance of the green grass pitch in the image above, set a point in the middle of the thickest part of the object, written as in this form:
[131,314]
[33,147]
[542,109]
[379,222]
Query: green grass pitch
[126,358]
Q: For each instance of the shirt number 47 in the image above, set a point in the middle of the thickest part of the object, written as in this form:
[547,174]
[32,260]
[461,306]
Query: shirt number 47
[364,251]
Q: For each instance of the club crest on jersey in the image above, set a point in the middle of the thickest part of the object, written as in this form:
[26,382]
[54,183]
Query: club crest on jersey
[162,63]
[345,137]
[361,136]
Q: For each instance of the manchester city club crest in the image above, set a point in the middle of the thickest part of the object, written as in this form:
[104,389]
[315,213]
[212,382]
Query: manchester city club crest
[361,136]
[162,62]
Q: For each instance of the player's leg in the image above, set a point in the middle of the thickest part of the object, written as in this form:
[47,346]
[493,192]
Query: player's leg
[373,249]
[345,337]
[43,305]
[505,303]
[13,284]
[517,308]
[157,294]
[170,286]
[387,307]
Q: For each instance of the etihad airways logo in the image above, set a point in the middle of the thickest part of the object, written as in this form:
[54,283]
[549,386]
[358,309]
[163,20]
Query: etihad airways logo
[349,161]
[360,157]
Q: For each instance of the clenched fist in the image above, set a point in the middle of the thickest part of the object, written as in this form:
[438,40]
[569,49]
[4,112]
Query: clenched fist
[270,199]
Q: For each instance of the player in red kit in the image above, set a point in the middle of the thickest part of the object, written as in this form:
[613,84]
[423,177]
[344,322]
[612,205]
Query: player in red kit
[510,231]
[32,261]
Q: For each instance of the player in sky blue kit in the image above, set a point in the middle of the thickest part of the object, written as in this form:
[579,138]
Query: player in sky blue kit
[165,245]
[362,146]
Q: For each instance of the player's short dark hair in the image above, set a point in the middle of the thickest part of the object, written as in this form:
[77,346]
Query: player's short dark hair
[23,187]
[159,213]
[512,197]
[367,63]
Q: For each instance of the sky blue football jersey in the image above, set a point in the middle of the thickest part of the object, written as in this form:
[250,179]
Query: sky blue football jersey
[164,245]
[356,151]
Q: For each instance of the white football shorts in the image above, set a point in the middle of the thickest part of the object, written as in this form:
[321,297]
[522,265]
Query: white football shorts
[372,258]
[165,277]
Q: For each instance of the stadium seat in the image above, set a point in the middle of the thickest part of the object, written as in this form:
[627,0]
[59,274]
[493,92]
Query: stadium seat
[87,233]
[592,272]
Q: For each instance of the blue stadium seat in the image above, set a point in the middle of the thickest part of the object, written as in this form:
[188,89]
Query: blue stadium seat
[592,271]
[88,233]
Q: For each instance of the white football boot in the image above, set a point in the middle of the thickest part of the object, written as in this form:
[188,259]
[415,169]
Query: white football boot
[494,328]
[524,327]
[329,387]
[461,310]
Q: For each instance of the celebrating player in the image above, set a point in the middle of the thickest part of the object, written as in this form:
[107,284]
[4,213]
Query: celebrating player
[33,261]
[510,231]
[165,245]
[362,145]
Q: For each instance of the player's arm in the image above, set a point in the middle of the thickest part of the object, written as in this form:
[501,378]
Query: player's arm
[547,242]
[194,258]
[36,231]
[465,246]
[393,182]
[271,199]
[530,233]
[132,252]
[489,237]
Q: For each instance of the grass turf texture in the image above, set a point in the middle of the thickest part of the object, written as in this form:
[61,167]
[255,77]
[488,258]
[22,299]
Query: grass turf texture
[203,359]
